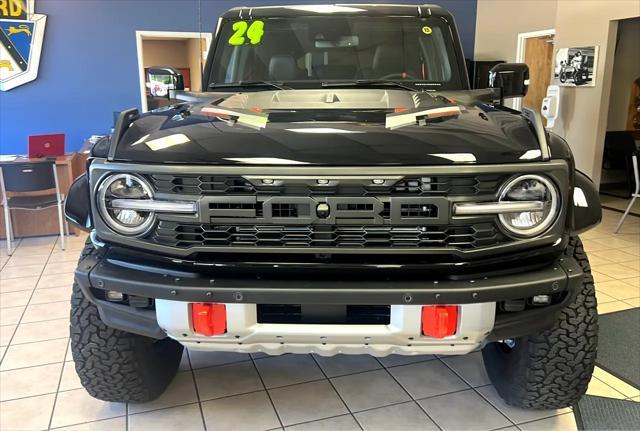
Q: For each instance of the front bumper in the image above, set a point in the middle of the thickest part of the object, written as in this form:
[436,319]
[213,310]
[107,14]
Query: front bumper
[173,290]
[401,336]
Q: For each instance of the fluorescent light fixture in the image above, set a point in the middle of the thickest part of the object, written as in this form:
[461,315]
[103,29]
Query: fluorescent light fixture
[457,157]
[322,130]
[167,141]
[531,154]
[326,8]
[265,161]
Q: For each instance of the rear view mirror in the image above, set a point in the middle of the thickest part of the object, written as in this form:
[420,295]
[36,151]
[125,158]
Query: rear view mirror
[341,42]
[511,78]
[161,80]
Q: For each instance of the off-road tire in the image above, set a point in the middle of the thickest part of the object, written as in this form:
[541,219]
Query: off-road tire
[114,365]
[552,369]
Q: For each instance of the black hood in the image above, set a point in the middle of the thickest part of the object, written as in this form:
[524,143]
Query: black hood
[330,128]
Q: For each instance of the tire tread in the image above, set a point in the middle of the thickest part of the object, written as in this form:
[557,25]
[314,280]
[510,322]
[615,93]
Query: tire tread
[114,365]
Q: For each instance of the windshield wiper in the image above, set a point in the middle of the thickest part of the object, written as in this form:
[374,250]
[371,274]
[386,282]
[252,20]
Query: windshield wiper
[368,83]
[249,84]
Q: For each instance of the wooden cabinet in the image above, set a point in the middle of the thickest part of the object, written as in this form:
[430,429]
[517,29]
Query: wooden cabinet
[45,222]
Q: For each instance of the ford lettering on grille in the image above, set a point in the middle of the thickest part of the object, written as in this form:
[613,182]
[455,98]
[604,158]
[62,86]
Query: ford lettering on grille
[330,210]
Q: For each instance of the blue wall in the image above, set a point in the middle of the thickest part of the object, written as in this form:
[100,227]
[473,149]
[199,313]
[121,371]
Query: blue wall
[89,67]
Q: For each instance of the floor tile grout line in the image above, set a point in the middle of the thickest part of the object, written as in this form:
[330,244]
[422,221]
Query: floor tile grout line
[32,366]
[407,392]
[336,390]
[273,406]
[548,417]
[87,422]
[607,384]
[38,341]
[513,421]
[262,390]
[27,396]
[195,385]
[476,391]
[158,409]
[42,321]
[332,377]
[24,311]
[55,399]
[324,419]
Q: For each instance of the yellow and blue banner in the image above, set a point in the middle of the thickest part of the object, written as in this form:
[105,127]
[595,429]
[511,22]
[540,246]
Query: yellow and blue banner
[21,37]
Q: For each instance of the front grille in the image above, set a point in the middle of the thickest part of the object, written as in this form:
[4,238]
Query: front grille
[440,185]
[349,212]
[325,236]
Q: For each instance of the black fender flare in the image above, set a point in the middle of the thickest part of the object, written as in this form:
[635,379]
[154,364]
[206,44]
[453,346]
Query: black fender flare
[587,210]
[77,206]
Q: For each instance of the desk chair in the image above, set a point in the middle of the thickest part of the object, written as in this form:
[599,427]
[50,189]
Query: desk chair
[30,177]
[635,195]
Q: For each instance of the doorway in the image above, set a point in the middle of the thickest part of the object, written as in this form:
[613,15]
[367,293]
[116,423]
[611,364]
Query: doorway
[536,49]
[184,51]
[622,138]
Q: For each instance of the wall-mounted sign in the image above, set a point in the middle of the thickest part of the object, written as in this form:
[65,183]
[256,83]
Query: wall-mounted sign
[21,36]
[576,67]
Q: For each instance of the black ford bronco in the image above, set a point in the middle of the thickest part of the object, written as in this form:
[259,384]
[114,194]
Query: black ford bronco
[336,188]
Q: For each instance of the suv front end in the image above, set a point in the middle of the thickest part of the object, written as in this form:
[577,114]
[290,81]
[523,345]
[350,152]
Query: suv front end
[314,216]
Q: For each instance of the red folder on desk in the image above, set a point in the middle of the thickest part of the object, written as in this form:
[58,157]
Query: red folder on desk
[46,145]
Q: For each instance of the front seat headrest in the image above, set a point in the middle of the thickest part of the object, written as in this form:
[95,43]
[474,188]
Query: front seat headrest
[282,68]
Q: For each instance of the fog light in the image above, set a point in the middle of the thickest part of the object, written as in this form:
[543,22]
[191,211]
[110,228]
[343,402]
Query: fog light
[114,296]
[541,299]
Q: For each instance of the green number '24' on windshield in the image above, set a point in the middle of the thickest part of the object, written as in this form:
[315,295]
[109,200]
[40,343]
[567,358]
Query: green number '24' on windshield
[243,31]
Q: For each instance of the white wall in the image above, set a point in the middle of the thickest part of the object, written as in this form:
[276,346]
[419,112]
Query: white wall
[584,111]
[626,69]
[499,22]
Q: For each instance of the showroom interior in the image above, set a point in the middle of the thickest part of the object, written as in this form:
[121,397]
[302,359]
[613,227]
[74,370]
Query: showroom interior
[77,78]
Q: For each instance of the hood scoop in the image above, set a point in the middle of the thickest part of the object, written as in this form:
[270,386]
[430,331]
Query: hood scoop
[319,99]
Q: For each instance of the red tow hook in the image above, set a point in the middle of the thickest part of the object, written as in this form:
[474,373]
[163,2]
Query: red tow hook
[209,318]
[439,321]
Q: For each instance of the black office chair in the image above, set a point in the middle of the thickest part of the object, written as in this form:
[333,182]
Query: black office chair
[30,177]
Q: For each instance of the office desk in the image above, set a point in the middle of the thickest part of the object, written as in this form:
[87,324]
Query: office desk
[45,222]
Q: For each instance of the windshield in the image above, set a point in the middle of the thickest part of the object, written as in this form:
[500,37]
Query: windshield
[307,51]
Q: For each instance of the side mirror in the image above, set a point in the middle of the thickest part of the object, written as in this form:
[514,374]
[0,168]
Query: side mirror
[162,80]
[511,78]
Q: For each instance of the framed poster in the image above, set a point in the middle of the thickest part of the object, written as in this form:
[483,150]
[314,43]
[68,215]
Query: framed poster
[576,67]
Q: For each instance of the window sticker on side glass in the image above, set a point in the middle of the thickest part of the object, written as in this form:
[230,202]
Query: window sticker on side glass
[427,30]
[245,32]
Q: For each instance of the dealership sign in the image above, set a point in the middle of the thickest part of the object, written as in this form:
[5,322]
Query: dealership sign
[21,36]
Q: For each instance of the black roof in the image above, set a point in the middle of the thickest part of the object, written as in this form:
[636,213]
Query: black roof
[426,10]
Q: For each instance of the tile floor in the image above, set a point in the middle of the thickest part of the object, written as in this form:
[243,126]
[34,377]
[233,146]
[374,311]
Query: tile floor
[39,388]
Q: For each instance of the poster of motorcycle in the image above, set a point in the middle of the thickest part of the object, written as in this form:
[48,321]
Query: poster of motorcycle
[576,67]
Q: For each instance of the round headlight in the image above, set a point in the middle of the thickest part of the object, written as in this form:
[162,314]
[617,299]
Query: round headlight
[532,188]
[115,190]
